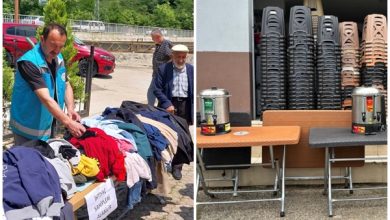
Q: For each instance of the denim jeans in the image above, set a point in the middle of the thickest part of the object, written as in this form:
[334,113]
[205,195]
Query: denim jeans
[151,97]
[134,194]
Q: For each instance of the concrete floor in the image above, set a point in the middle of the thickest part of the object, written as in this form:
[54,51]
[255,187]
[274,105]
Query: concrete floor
[126,83]
[302,202]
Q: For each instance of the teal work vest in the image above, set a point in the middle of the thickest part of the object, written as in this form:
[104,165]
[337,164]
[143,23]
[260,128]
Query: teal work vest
[29,117]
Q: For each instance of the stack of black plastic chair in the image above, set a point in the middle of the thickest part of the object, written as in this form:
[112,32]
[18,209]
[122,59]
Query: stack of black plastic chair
[273,61]
[258,84]
[328,64]
[300,75]
[374,75]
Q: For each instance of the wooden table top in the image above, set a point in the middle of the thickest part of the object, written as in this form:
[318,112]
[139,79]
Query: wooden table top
[78,199]
[267,135]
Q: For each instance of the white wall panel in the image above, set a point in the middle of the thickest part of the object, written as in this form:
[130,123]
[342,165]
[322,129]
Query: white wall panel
[223,25]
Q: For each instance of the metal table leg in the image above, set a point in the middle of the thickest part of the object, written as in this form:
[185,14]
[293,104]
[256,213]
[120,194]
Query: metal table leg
[277,178]
[326,174]
[282,213]
[274,165]
[197,173]
[271,153]
[200,167]
[235,182]
[346,175]
[350,180]
[329,172]
[197,181]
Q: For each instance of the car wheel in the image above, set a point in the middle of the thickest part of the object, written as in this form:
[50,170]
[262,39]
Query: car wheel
[94,69]
[8,57]
[83,68]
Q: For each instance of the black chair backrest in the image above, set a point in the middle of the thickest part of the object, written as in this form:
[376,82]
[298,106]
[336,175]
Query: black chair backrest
[230,156]
[238,119]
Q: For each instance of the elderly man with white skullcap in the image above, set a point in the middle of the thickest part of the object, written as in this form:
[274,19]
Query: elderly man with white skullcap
[174,88]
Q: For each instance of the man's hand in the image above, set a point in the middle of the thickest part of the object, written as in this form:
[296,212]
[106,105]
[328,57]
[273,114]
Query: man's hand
[73,115]
[75,128]
[171,109]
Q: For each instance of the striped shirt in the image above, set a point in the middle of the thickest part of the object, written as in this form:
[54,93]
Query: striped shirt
[162,54]
[180,82]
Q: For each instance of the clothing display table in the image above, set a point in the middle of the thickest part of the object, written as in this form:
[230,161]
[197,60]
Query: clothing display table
[78,199]
[331,138]
[251,136]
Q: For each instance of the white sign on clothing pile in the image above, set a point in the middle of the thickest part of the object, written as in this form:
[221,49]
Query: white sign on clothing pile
[101,201]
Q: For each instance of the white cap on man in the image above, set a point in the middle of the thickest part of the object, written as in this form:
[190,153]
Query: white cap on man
[180,48]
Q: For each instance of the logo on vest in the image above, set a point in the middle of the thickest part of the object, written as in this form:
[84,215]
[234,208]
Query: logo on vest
[63,76]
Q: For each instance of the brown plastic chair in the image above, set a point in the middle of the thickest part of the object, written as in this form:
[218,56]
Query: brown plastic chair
[349,35]
[374,28]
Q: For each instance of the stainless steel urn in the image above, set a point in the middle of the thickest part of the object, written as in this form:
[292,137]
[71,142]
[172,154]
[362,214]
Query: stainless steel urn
[214,111]
[368,110]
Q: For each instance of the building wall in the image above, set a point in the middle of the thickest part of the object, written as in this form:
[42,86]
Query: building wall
[223,46]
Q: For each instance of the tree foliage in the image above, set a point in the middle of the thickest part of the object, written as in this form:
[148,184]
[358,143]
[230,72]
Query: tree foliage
[158,13]
[32,6]
[8,80]
[164,16]
[55,11]
[8,6]
[185,11]
[80,9]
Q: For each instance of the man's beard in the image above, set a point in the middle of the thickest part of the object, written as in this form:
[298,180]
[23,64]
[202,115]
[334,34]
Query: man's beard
[179,67]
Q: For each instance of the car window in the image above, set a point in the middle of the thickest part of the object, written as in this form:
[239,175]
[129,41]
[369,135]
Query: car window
[26,31]
[11,30]
[78,41]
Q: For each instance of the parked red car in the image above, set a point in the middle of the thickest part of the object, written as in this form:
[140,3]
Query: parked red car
[15,43]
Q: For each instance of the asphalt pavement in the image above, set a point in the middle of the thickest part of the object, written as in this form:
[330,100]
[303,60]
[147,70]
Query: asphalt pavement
[126,83]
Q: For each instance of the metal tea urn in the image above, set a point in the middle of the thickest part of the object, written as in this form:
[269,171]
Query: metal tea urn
[214,111]
[368,110]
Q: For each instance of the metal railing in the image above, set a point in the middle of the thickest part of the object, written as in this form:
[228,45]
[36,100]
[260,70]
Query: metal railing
[103,27]
[23,19]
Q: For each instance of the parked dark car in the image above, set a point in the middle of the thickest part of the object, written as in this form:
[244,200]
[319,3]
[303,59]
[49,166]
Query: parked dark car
[15,43]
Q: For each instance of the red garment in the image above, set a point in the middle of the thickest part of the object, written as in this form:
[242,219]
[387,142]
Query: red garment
[103,148]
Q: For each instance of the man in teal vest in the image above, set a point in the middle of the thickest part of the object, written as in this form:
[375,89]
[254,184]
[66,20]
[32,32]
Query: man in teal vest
[41,90]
